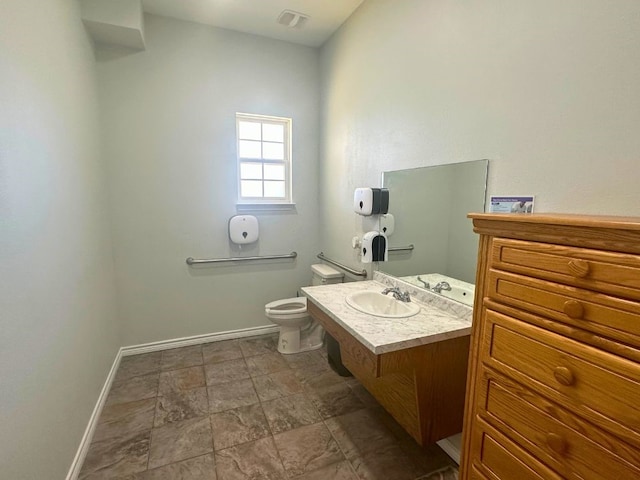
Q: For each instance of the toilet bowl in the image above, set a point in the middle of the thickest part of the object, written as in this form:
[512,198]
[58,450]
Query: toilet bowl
[298,331]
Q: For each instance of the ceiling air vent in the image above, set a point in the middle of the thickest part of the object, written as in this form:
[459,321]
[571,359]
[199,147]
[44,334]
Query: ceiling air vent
[292,19]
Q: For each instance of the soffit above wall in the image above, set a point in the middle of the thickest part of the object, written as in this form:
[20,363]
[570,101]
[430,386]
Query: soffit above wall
[114,22]
[259,17]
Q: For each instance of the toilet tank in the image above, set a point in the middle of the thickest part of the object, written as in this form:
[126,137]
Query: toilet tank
[325,275]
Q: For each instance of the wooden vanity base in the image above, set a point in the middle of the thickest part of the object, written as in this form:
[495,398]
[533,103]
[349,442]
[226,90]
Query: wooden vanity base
[422,387]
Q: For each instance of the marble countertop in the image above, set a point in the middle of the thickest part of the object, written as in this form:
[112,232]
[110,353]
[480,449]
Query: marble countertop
[439,319]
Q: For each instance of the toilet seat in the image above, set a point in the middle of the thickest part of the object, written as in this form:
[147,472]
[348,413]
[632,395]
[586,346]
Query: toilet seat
[298,331]
[287,307]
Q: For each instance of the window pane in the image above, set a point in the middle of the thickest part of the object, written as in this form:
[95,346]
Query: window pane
[251,171]
[273,172]
[273,151]
[251,188]
[249,130]
[274,189]
[272,133]
[250,149]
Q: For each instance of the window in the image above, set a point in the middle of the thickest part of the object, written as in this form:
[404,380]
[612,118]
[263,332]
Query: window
[264,159]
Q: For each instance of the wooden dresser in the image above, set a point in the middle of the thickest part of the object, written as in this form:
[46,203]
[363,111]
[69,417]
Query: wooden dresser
[553,389]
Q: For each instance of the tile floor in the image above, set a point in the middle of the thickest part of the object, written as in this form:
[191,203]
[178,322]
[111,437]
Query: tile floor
[238,409]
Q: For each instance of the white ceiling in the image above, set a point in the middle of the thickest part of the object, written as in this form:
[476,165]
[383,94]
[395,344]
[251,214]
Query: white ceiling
[259,17]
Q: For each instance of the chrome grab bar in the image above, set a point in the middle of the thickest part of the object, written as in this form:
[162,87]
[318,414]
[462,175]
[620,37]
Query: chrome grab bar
[192,261]
[361,273]
[408,248]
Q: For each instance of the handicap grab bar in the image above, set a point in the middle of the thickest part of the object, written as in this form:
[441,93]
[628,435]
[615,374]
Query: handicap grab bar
[193,261]
[360,273]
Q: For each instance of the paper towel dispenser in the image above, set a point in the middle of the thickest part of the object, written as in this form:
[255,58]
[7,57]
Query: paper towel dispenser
[371,201]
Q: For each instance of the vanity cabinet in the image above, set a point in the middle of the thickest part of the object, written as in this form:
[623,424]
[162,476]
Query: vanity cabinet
[421,387]
[554,370]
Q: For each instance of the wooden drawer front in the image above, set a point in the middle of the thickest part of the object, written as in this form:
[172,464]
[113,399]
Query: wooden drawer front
[500,459]
[598,386]
[613,273]
[476,475]
[553,435]
[608,316]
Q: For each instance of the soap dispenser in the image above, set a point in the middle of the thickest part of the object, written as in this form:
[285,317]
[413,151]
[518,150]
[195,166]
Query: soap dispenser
[374,247]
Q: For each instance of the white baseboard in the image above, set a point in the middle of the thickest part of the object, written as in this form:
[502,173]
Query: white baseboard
[81,454]
[451,446]
[197,340]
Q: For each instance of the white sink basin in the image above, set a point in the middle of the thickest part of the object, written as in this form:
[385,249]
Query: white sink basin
[375,303]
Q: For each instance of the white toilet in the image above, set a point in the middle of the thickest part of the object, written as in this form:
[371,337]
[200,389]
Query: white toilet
[298,332]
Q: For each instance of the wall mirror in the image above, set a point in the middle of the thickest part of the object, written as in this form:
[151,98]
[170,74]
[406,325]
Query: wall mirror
[430,206]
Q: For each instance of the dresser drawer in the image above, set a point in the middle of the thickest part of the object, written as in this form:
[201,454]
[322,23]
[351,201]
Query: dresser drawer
[499,459]
[568,444]
[602,314]
[614,273]
[476,475]
[596,385]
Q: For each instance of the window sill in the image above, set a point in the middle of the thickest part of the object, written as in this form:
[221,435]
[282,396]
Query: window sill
[265,207]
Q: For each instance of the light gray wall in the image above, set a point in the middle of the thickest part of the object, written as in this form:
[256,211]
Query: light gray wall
[58,330]
[547,90]
[169,126]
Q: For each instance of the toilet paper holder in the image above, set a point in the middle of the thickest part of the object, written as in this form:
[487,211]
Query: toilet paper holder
[243,229]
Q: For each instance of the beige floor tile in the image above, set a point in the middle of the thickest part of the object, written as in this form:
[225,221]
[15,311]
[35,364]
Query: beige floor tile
[250,461]
[179,441]
[359,433]
[181,357]
[334,400]
[215,352]
[182,379]
[125,419]
[178,405]
[137,365]
[260,410]
[258,345]
[266,364]
[227,371]
[239,425]
[132,389]
[449,473]
[288,413]
[278,384]
[114,457]
[315,378]
[383,464]
[198,468]
[226,396]
[307,448]
[335,471]
[306,360]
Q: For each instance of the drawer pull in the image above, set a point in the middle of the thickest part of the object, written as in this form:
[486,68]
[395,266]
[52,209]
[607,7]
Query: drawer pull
[579,268]
[564,376]
[573,309]
[557,443]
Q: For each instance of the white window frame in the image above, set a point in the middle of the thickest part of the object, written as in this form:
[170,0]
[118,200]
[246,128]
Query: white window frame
[265,119]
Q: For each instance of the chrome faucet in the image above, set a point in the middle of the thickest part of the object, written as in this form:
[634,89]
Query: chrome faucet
[441,286]
[398,294]
[426,284]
